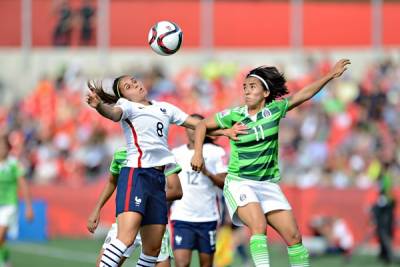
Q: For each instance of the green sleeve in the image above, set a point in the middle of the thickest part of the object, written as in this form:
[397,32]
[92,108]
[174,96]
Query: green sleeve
[172,168]
[283,106]
[114,167]
[224,118]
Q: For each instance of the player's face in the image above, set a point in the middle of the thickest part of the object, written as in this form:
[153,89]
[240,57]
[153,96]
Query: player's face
[190,135]
[132,89]
[254,93]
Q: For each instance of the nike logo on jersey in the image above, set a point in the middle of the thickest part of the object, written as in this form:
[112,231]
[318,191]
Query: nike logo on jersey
[163,110]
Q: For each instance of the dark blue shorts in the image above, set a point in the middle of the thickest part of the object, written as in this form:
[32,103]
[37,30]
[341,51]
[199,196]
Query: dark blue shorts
[142,190]
[198,236]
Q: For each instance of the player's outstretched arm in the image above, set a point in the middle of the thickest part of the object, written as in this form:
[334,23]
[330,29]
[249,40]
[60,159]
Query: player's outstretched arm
[209,123]
[94,218]
[309,91]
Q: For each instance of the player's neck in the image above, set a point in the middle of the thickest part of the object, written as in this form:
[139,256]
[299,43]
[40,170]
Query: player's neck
[252,110]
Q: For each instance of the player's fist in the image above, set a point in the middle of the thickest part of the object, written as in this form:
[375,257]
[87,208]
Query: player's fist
[197,162]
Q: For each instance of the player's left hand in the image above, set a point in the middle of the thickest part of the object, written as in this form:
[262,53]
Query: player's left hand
[237,128]
[29,214]
[93,221]
[339,68]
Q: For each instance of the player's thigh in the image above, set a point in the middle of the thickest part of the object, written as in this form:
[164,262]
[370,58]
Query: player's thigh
[252,215]
[206,260]
[128,226]
[284,222]
[152,235]
[182,257]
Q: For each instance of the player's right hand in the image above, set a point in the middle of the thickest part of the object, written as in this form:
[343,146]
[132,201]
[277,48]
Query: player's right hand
[197,162]
[92,98]
[93,221]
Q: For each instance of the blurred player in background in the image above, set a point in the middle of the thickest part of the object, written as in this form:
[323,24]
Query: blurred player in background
[174,192]
[251,191]
[194,218]
[11,179]
[141,199]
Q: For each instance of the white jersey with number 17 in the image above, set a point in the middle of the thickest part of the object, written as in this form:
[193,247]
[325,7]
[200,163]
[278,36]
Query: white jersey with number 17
[146,132]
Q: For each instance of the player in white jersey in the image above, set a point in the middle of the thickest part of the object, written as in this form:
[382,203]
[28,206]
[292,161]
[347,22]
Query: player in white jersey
[141,200]
[194,217]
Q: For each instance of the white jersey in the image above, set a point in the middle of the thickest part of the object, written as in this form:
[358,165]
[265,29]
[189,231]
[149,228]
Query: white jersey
[200,196]
[146,132]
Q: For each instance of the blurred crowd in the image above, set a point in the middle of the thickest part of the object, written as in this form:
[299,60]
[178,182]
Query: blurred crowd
[342,138]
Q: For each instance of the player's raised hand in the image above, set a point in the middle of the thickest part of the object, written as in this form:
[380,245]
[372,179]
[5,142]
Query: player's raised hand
[197,162]
[92,98]
[237,128]
[93,221]
[340,67]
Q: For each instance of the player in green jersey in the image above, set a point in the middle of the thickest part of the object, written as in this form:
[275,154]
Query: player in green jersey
[251,191]
[174,192]
[11,179]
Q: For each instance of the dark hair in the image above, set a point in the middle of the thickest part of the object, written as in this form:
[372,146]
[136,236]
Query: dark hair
[207,139]
[115,88]
[97,87]
[276,81]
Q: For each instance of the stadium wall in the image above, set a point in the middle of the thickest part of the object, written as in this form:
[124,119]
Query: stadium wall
[68,209]
[235,23]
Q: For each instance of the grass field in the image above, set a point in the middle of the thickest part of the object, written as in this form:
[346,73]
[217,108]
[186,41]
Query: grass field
[82,253]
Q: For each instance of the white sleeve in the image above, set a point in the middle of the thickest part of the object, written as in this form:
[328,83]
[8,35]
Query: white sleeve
[126,106]
[220,166]
[177,116]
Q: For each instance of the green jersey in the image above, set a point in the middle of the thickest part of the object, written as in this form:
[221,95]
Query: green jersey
[119,161]
[10,172]
[255,155]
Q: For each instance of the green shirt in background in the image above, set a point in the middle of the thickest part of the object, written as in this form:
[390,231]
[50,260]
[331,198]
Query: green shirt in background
[10,172]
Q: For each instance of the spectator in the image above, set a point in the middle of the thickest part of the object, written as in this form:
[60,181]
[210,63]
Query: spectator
[63,29]
[86,14]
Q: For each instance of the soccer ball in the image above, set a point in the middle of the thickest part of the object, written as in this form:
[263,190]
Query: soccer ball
[165,38]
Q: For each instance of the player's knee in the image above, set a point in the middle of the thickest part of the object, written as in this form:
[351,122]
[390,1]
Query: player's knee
[182,262]
[258,228]
[126,238]
[153,251]
[293,239]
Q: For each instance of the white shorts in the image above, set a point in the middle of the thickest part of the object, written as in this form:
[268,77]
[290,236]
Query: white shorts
[165,251]
[240,192]
[8,215]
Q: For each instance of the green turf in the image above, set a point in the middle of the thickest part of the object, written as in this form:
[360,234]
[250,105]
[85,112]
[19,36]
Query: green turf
[82,253]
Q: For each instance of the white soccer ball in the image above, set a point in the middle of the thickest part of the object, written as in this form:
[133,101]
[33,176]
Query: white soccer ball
[165,38]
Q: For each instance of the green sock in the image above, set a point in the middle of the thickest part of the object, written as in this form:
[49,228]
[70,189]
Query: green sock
[298,256]
[259,250]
